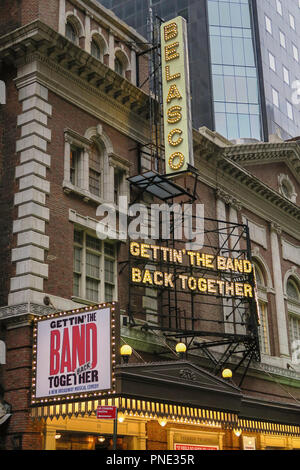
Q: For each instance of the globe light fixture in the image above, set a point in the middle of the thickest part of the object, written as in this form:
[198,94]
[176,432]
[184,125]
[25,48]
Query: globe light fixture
[180,349]
[126,352]
[227,374]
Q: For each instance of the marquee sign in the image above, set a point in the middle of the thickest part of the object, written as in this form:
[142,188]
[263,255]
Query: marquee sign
[192,259]
[176,96]
[74,354]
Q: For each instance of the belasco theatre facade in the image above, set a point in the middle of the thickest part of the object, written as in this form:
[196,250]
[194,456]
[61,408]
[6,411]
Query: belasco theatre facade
[192,331]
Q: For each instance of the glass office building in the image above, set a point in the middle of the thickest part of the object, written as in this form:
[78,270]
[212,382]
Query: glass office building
[244,61]
[236,100]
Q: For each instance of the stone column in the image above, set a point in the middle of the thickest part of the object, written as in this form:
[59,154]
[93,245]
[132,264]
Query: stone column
[111,50]
[33,187]
[87,32]
[279,294]
[62,17]
[222,199]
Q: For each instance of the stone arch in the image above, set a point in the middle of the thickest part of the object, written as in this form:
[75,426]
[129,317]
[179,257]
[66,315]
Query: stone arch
[76,23]
[97,134]
[122,57]
[101,42]
[292,275]
[263,267]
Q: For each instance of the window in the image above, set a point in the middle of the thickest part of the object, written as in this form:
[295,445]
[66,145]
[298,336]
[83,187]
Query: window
[95,50]
[263,329]
[293,300]
[119,66]
[95,171]
[292,290]
[292,21]
[279,7]
[286,75]
[75,156]
[275,97]
[290,111]
[272,62]
[268,24]
[295,52]
[71,32]
[287,188]
[282,39]
[118,180]
[94,268]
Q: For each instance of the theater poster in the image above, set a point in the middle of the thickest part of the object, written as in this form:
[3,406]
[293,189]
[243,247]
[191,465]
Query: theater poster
[73,354]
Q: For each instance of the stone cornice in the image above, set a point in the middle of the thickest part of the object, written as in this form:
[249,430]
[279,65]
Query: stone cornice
[264,153]
[254,184]
[36,41]
[223,173]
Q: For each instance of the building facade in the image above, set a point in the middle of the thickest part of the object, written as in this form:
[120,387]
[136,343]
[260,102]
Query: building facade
[74,129]
[244,59]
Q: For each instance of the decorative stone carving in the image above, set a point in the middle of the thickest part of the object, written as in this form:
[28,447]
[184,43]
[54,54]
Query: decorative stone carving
[276,228]
[228,199]
[187,374]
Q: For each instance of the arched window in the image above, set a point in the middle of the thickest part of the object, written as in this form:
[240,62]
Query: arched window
[95,170]
[292,290]
[71,32]
[263,329]
[293,303]
[119,68]
[95,50]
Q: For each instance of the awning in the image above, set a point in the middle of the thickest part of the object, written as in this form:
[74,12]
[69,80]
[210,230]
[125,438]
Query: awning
[139,408]
[184,393]
[172,413]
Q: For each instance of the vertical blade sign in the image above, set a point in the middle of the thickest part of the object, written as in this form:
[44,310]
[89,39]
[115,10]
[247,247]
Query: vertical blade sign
[176,96]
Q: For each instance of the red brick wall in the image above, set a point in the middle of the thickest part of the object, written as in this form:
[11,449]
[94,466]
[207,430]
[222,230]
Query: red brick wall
[17,383]
[16,13]
[59,229]
[10,18]
[8,160]
[269,175]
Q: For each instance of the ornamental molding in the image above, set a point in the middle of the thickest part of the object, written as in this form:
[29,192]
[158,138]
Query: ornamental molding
[77,77]
[229,199]
[21,311]
[276,228]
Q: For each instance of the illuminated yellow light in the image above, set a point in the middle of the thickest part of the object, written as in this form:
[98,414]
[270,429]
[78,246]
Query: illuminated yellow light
[227,374]
[174,114]
[170,77]
[162,421]
[126,350]
[170,137]
[180,348]
[170,31]
[173,93]
[171,52]
[174,156]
